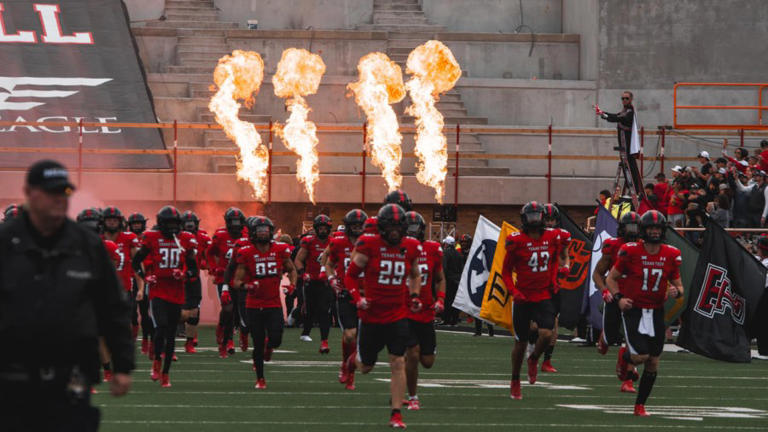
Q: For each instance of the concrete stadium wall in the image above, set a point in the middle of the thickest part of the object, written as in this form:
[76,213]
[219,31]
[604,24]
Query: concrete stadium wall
[495,16]
[297,14]
[581,17]
[141,10]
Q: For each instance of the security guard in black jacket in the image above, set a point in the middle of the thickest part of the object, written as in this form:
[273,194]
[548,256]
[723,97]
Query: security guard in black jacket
[58,294]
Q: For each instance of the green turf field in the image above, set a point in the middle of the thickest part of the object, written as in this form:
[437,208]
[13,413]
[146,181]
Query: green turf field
[468,389]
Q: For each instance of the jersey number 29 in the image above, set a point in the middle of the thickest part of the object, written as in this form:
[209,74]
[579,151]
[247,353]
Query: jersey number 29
[391,272]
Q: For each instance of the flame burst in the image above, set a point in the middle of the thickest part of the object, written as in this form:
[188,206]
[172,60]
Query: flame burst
[434,71]
[381,84]
[239,76]
[298,74]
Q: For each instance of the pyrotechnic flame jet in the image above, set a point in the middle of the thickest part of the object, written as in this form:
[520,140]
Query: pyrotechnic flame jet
[239,76]
[434,71]
[298,74]
[381,84]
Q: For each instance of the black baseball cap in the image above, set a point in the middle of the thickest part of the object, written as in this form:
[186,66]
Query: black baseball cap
[49,175]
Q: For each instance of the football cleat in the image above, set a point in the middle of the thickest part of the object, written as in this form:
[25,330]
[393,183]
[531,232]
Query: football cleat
[324,348]
[261,384]
[627,387]
[243,341]
[174,357]
[231,347]
[602,347]
[413,404]
[166,381]
[189,347]
[145,346]
[640,411]
[546,366]
[305,338]
[621,365]
[396,421]
[350,383]
[514,390]
[155,375]
[107,375]
[533,366]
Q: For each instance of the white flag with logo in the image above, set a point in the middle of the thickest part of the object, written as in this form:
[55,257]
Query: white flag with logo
[469,297]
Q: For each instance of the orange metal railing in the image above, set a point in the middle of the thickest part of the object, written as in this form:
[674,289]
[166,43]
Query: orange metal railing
[759,108]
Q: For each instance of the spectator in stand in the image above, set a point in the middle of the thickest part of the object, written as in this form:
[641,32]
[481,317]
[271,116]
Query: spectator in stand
[701,174]
[677,202]
[757,208]
[694,218]
[652,197]
[719,211]
[763,155]
[752,162]
[661,189]
[740,161]
[738,186]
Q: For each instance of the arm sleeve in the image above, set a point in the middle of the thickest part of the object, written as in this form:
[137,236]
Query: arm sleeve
[141,254]
[113,314]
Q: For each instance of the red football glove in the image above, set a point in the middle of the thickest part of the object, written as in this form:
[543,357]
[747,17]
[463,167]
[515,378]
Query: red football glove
[415,304]
[150,279]
[289,289]
[178,274]
[439,306]
[334,282]
[305,277]
[225,297]
[607,297]
[563,271]
[362,304]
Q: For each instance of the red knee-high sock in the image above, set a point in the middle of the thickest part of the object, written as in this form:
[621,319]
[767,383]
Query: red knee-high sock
[351,366]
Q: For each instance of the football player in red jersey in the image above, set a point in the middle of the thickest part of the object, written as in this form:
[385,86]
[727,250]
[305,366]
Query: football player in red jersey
[172,251]
[92,219]
[219,254]
[193,296]
[645,273]
[533,254]
[336,261]
[422,342]
[229,272]
[392,284]
[127,243]
[259,271]
[318,296]
[628,231]
[137,224]
[552,221]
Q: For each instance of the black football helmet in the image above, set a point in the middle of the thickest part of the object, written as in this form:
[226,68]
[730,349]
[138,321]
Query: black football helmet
[169,221]
[135,219]
[392,223]
[260,229]
[416,225]
[652,218]
[234,221]
[354,223]
[551,216]
[190,221]
[400,198]
[90,218]
[11,212]
[322,221]
[112,212]
[629,226]
[532,215]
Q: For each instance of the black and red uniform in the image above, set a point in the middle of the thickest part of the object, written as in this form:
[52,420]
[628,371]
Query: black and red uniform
[194,288]
[611,312]
[318,296]
[421,324]
[339,251]
[219,254]
[385,322]
[535,262]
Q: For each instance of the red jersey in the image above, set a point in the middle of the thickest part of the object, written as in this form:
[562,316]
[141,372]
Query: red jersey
[371,225]
[611,248]
[315,247]
[338,234]
[125,242]
[168,254]
[266,269]
[339,251]
[203,243]
[645,277]
[111,248]
[386,275]
[535,262]
[430,262]
[219,252]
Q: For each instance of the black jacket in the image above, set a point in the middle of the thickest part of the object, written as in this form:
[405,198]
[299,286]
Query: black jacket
[453,264]
[57,299]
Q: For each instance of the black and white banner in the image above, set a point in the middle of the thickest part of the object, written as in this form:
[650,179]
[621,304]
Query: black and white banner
[66,61]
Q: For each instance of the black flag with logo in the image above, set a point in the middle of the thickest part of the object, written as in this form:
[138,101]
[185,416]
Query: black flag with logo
[67,61]
[573,284]
[723,298]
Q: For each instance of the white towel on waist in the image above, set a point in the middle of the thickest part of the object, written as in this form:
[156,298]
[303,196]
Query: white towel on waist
[646,323]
